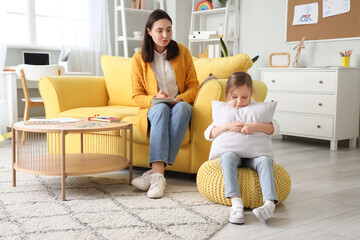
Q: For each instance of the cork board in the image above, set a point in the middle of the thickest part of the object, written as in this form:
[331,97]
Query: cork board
[336,27]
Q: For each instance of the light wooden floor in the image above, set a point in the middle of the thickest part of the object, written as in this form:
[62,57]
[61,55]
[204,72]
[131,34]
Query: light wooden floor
[324,202]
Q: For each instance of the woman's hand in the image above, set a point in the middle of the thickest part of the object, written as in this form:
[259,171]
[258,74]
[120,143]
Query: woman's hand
[176,100]
[162,94]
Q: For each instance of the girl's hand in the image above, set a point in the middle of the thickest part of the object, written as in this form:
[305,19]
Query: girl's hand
[249,128]
[234,126]
[162,94]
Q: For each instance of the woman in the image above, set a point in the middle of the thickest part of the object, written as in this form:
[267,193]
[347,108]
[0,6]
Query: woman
[162,68]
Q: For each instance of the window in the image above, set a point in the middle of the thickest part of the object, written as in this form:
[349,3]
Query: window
[47,22]
[17,14]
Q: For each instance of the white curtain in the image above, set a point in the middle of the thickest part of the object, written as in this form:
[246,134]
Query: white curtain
[95,32]
[4,117]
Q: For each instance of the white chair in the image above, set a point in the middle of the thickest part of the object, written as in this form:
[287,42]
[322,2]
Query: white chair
[34,73]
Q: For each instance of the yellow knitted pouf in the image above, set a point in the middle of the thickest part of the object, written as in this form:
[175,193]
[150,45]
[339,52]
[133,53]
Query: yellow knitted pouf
[210,183]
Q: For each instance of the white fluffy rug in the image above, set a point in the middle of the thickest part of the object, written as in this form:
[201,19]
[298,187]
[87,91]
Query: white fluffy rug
[102,208]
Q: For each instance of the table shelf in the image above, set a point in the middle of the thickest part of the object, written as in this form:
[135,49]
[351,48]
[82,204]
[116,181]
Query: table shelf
[76,164]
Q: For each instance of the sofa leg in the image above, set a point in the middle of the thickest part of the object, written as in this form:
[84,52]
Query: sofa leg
[193,176]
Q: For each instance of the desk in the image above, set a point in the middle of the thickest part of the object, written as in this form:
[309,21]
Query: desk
[13,83]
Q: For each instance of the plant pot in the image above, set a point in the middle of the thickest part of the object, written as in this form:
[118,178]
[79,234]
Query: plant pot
[217,4]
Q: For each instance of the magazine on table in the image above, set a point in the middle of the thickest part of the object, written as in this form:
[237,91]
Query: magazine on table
[36,121]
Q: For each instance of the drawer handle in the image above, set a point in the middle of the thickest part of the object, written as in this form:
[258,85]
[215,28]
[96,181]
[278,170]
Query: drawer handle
[272,101]
[321,81]
[320,104]
[318,126]
[273,80]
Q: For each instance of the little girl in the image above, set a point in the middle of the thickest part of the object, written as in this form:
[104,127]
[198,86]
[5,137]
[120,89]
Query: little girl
[238,91]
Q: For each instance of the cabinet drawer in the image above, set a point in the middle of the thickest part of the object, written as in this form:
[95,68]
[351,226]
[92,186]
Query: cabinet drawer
[305,125]
[301,81]
[303,103]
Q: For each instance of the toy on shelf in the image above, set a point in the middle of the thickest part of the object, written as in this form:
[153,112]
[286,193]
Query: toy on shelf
[203,6]
[99,118]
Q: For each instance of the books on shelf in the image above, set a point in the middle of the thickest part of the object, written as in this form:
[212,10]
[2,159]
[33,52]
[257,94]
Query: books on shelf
[214,51]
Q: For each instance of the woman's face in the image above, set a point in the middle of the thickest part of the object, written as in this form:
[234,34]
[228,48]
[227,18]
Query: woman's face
[240,97]
[161,33]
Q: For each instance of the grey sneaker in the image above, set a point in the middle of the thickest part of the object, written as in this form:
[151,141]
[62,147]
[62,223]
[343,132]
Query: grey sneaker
[157,186]
[143,182]
[264,212]
[237,215]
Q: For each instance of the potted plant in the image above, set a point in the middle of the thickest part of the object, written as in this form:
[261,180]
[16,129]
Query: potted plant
[218,3]
[225,51]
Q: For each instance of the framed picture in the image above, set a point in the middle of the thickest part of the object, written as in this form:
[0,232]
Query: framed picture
[279,60]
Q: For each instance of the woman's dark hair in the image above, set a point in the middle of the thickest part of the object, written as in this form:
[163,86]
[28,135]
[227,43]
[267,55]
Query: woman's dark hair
[238,79]
[147,45]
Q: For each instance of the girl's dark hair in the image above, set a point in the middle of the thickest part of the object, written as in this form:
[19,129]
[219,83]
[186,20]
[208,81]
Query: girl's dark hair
[238,79]
[147,45]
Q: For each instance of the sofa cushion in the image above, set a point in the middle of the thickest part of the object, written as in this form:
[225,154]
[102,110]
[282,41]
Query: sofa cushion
[111,111]
[138,137]
[221,67]
[117,72]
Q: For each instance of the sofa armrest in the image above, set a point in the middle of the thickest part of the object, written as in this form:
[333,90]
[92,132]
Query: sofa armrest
[67,92]
[201,119]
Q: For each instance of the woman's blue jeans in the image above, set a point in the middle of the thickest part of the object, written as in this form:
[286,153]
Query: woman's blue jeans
[167,130]
[263,165]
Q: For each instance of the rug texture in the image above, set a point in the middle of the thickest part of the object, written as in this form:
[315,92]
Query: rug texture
[102,208]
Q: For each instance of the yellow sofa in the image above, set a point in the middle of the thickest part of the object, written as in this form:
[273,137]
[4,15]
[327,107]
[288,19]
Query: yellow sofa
[80,97]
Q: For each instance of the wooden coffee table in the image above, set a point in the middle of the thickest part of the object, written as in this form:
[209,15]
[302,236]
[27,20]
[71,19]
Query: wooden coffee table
[44,153]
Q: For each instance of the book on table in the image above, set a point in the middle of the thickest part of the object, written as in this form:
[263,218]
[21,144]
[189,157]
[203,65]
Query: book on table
[104,118]
[41,121]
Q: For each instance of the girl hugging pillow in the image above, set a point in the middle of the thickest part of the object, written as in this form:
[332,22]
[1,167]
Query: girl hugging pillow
[249,145]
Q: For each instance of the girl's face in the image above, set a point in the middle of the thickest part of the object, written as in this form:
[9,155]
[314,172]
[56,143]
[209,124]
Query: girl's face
[161,33]
[240,97]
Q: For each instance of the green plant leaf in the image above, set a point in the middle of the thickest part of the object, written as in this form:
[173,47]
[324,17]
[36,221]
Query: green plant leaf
[254,59]
[224,48]
[223,1]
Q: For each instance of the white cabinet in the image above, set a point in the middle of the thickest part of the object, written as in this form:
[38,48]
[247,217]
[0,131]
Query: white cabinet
[320,103]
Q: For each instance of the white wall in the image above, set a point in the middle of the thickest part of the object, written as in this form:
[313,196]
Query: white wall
[262,32]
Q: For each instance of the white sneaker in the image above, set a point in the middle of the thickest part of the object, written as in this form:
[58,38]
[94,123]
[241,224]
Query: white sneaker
[237,215]
[142,182]
[157,186]
[264,212]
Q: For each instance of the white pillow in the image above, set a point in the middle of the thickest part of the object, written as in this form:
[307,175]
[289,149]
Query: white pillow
[246,146]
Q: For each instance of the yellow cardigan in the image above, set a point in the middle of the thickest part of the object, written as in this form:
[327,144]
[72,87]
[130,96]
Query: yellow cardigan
[144,84]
